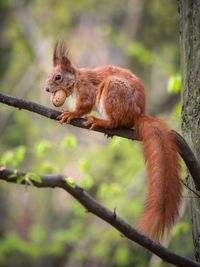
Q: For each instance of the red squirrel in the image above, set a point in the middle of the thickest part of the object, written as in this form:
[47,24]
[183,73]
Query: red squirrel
[118,96]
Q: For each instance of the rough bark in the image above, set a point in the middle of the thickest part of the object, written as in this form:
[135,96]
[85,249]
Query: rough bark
[190,63]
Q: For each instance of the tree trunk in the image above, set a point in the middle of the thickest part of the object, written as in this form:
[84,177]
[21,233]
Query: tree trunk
[190,57]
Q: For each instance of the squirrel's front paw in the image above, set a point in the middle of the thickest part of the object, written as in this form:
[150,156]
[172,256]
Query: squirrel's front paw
[66,116]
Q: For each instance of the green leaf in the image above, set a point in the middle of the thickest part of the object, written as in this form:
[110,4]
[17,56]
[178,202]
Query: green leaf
[7,158]
[87,182]
[70,182]
[13,157]
[174,84]
[41,147]
[48,166]
[178,109]
[34,177]
[102,190]
[85,165]
[138,51]
[115,188]
[20,179]
[19,154]
[112,189]
[69,141]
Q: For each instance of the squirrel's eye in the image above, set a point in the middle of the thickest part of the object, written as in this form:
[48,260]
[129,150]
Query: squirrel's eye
[58,77]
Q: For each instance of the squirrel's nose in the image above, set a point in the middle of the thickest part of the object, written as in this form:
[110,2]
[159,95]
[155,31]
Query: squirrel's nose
[47,89]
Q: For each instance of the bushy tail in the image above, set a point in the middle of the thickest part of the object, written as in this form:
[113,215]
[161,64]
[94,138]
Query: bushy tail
[164,184]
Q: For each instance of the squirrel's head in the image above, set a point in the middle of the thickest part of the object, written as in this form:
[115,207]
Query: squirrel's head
[62,77]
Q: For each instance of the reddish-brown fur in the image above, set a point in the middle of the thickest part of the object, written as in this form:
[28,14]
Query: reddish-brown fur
[119,97]
[164,184]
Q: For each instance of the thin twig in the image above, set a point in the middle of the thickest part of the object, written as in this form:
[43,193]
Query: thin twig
[190,189]
[104,213]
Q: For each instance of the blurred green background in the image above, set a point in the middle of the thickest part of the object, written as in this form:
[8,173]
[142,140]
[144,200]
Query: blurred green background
[45,227]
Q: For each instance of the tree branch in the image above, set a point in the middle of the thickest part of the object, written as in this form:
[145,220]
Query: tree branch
[184,149]
[102,212]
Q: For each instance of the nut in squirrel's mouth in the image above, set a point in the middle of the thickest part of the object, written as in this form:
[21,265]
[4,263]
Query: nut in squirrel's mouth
[58,98]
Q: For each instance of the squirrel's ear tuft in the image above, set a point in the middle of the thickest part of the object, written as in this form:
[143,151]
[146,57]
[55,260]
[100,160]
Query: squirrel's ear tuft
[65,62]
[55,55]
[66,65]
[60,55]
